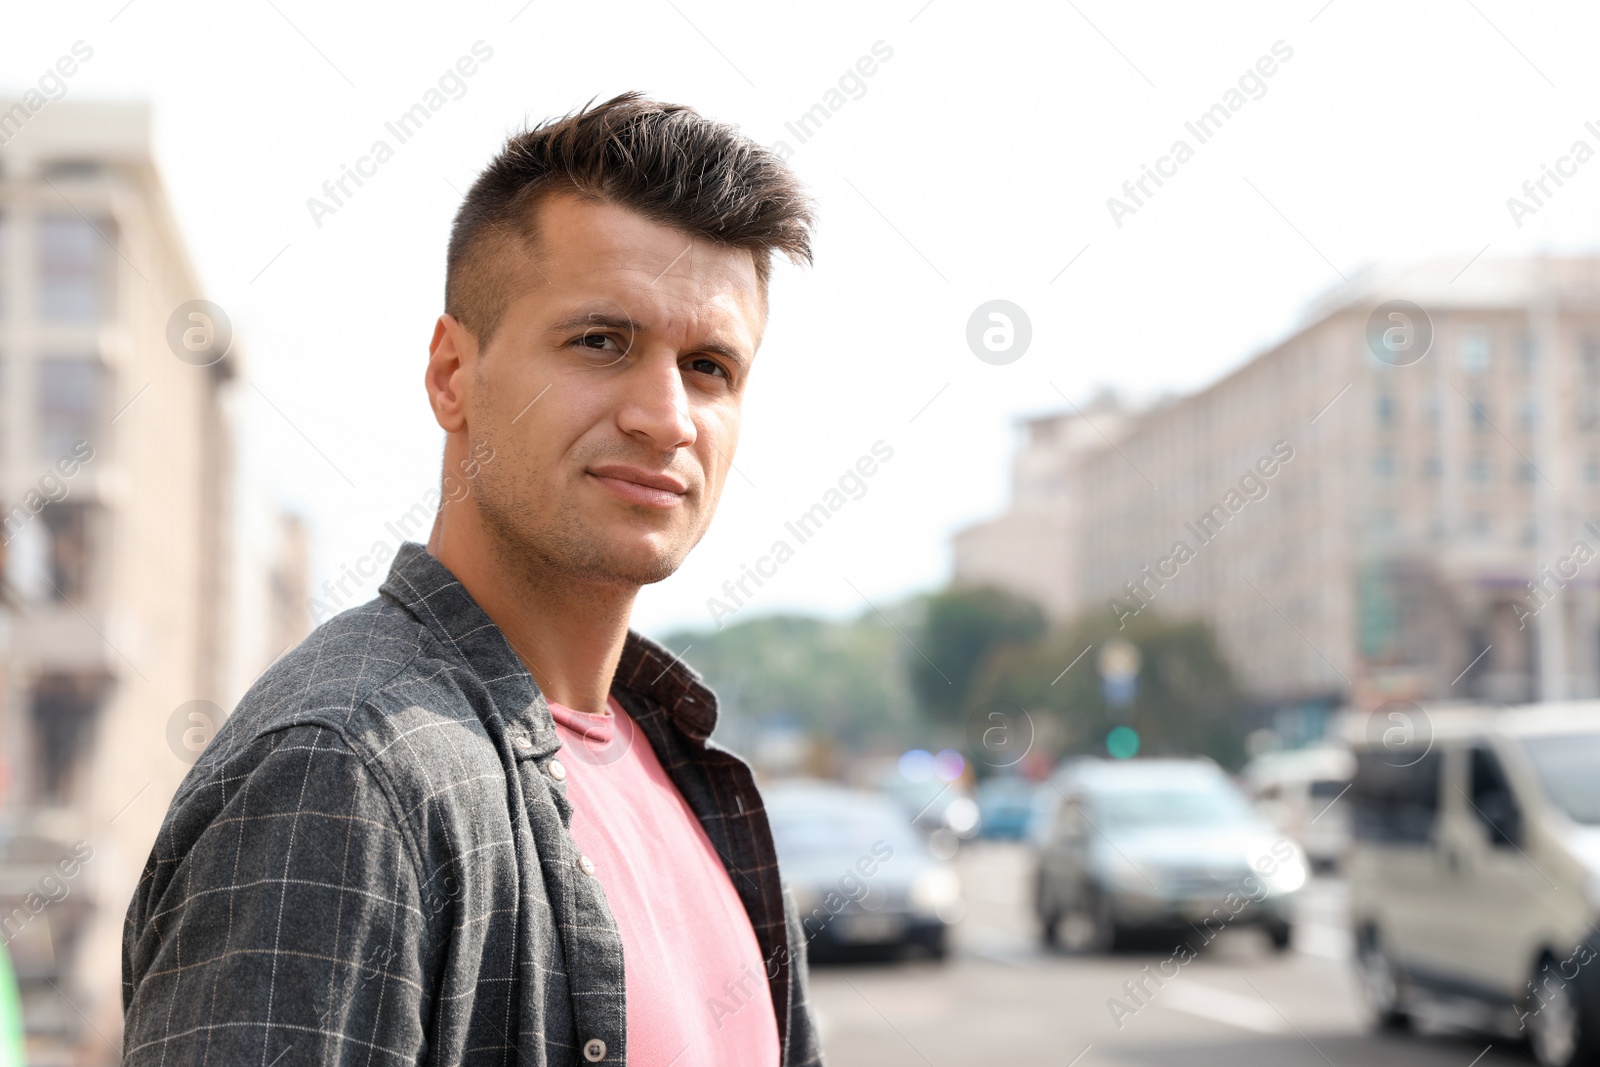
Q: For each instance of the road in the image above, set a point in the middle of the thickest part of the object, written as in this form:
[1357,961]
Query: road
[1001,999]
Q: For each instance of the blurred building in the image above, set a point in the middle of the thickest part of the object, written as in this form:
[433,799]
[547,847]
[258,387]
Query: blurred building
[1032,549]
[116,459]
[1393,501]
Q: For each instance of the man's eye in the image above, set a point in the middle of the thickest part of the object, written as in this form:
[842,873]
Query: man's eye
[708,366]
[601,344]
[600,349]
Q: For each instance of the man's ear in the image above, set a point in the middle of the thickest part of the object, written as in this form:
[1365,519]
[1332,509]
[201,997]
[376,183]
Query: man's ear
[452,356]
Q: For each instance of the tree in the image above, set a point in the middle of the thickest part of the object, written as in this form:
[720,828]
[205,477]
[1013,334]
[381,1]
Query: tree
[961,629]
[842,680]
[1187,702]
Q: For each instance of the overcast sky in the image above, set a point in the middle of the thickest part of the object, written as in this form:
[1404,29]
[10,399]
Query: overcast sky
[974,163]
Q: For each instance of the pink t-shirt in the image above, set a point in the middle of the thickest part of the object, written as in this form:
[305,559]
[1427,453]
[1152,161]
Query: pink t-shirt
[696,980]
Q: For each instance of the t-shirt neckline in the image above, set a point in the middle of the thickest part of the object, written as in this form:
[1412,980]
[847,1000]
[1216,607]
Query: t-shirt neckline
[594,728]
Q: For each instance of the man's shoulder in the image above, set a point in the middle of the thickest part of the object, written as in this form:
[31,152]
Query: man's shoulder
[379,679]
[344,659]
[370,711]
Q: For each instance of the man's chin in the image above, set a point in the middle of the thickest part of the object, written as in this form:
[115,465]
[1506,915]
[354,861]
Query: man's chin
[587,548]
[633,564]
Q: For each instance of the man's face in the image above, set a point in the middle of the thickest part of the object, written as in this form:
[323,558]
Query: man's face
[610,393]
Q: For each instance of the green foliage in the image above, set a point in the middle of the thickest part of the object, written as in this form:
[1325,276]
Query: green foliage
[962,628]
[843,680]
[1188,701]
[859,682]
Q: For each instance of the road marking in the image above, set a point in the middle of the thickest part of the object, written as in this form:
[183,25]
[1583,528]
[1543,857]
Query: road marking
[1218,1005]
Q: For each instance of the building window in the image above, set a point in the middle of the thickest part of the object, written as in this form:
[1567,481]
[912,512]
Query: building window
[1474,351]
[1529,412]
[1386,410]
[1527,472]
[1383,465]
[64,709]
[5,257]
[1432,467]
[1528,352]
[71,394]
[1478,470]
[73,168]
[1530,533]
[1589,356]
[1478,412]
[73,268]
[1480,526]
[1433,409]
[1591,470]
[1588,410]
[70,554]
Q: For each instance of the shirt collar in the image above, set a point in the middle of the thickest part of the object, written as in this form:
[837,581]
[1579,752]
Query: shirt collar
[425,587]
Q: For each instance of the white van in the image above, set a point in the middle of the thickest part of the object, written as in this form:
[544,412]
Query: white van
[1296,790]
[1475,872]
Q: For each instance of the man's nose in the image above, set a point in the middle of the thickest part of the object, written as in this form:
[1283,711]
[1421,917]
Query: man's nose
[655,403]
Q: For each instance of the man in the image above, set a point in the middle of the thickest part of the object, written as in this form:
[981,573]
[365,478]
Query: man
[478,820]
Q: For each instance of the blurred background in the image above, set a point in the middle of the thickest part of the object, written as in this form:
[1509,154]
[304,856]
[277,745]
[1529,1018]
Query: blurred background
[1185,641]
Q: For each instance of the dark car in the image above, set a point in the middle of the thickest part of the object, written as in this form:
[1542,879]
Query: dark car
[1159,845]
[863,877]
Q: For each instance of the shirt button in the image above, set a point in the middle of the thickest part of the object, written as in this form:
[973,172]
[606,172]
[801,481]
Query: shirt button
[522,742]
[594,1050]
[586,865]
[558,772]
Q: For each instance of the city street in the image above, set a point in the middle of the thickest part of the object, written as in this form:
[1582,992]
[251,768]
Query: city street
[1001,999]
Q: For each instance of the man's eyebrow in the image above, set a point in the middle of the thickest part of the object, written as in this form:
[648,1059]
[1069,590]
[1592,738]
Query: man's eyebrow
[727,351]
[587,319]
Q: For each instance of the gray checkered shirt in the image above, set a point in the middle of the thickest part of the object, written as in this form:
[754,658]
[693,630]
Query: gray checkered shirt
[370,863]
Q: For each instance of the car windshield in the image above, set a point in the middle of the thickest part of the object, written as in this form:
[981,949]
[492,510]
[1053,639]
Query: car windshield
[1194,806]
[1567,766]
[805,831]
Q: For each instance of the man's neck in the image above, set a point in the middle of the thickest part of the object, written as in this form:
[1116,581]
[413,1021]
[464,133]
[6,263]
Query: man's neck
[569,634]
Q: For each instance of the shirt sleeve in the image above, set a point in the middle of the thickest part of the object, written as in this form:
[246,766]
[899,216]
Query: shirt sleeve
[278,920]
[805,1045]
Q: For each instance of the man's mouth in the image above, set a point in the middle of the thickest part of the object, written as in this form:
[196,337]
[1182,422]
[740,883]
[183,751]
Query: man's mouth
[638,486]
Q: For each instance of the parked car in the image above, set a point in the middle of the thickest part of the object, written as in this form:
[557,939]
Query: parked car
[1475,875]
[863,877]
[934,806]
[1296,790]
[1159,844]
[1005,808]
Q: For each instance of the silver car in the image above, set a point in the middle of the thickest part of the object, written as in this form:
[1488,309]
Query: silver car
[864,880]
[1159,845]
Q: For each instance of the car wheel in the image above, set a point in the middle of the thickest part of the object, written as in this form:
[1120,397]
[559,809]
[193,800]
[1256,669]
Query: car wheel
[1050,930]
[1280,934]
[1380,985]
[1087,925]
[1048,914]
[1562,1030]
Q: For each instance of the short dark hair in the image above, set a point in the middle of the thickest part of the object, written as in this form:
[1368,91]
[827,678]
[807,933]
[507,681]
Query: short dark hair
[665,161]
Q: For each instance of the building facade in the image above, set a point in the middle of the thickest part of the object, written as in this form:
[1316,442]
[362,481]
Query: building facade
[1032,548]
[116,460]
[1401,499]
